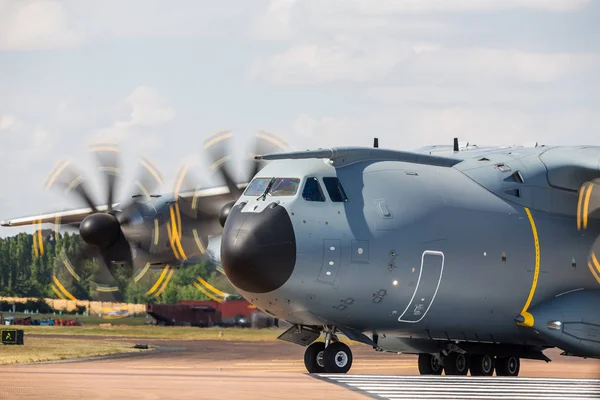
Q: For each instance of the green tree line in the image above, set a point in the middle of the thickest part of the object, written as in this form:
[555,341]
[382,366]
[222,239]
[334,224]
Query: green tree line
[27,272]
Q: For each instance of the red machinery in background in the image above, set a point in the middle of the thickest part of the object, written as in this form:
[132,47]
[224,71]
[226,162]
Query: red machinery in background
[210,313]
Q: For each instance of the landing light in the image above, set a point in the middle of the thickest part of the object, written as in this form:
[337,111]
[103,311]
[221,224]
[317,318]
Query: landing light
[395,283]
[554,325]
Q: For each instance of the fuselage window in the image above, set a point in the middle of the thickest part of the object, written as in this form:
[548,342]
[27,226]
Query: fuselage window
[312,190]
[257,187]
[335,189]
[284,186]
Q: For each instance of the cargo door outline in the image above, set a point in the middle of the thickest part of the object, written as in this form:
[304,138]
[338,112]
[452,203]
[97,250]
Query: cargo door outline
[436,254]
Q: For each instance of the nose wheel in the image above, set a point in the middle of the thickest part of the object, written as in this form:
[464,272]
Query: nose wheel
[333,359]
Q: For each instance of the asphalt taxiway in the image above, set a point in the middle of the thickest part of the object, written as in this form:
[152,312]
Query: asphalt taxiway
[271,370]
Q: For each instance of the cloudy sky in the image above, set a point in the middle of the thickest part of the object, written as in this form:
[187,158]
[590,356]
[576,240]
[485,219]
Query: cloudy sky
[159,76]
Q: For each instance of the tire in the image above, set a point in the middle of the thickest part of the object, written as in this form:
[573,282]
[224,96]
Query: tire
[313,358]
[481,365]
[456,364]
[337,358]
[429,365]
[508,366]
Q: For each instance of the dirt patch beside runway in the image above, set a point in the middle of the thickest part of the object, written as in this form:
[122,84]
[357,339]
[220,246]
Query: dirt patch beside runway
[211,369]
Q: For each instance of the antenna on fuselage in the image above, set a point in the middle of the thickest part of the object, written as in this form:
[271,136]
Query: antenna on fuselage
[455,144]
[376,142]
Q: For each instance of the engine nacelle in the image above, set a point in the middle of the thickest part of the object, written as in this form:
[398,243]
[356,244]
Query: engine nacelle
[571,322]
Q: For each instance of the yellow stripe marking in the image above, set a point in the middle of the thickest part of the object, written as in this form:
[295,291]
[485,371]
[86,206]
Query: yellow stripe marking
[41,239]
[62,288]
[593,272]
[207,293]
[100,148]
[198,241]
[35,246]
[164,286]
[217,140]
[158,281]
[156,231]
[142,272]
[151,169]
[579,204]
[528,317]
[71,270]
[56,292]
[586,206]
[211,288]
[175,235]
[56,174]
[271,139]
[596,263]
[107,289]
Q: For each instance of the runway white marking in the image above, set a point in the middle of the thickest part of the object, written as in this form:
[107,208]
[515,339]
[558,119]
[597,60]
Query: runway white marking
[467,387]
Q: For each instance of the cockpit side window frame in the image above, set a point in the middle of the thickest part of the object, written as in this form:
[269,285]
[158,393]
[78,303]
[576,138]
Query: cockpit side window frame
[320,192]
[336,184]
[298,182]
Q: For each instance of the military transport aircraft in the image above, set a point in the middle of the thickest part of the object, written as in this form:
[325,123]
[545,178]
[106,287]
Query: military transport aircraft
[473,258]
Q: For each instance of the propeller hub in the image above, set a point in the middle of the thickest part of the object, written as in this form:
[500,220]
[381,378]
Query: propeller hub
[100,229]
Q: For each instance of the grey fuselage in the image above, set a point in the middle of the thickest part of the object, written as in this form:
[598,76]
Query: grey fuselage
[432,252]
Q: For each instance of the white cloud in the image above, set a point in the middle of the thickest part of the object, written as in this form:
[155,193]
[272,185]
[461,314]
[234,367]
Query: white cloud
[35,25]
[7,122]
[346,60]
[148,109]
[421,6]
[326,131]
[353,61]
[274,23]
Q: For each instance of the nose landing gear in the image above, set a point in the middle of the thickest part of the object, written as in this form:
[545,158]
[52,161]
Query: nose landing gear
[332,357]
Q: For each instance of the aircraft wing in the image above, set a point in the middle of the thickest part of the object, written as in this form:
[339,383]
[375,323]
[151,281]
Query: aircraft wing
[214,197]
[65,217]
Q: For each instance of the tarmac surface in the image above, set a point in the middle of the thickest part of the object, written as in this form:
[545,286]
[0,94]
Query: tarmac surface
[243,370]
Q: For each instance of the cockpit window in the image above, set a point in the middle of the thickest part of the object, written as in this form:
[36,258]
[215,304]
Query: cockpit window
[257,187]
[284,187]
[312,190]
[335,189]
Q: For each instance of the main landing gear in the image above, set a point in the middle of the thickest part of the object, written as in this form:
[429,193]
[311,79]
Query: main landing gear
[333,356]
[460,364]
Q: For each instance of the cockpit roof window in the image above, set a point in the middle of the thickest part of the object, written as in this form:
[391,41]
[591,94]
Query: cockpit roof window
[312,190]
[284,187]
[335,189]
[257,187]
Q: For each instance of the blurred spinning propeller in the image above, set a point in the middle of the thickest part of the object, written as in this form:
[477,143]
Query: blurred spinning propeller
[105,231]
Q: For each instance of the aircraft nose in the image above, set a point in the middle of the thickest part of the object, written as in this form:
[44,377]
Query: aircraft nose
[258,249]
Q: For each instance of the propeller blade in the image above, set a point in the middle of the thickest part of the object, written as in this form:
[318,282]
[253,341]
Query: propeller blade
[217,147]
[107,156]
[66,177]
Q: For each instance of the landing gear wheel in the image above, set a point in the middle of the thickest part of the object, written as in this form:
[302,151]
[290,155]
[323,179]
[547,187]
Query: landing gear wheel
[456,364]
[508,366]
[337,358]
[429,365]
[481,365]
[313,358]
